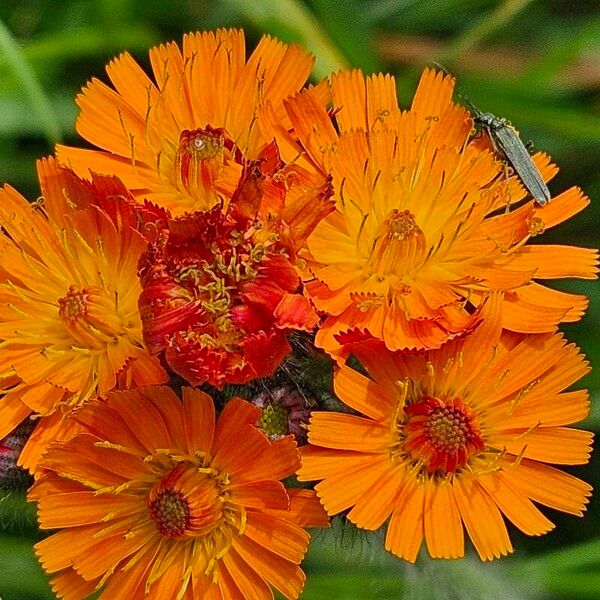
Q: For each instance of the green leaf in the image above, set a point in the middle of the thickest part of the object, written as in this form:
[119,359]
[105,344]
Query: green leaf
[21,577]
[339,19]
[572,572]
[85,42]
[31,87]
[292,21]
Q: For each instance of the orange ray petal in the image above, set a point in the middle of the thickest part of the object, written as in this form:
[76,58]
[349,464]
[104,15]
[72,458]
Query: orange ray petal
[249,583]
[376,504]
[343,490]
[321,463]
[572,305]
[198,419]
[363,394]
[279,536]
[68,585]
[563,207]
[237,453]
[550,487]
[443,527]
[313,126]
[517,508]
[545,410]
[260,495]
[556,262]
[279,460]
[305,509]
[151,431]
[235,415]
[347,432]
[13,412]
[405,529]
[557,445]
[433,94]
[348,89]
[278,572]
[482,519]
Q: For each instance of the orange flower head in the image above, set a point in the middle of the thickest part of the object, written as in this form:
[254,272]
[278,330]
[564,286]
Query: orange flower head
[221,291]
[427,220]
[155,498]
[70,328]
[460,437]
[177,139]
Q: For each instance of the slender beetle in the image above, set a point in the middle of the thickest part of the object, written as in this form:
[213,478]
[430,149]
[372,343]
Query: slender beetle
[508,145]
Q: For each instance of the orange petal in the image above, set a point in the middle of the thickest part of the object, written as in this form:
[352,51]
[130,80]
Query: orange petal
[282,537]
[556,262]
[550,487]
[405,529]
[558,445]
[363,394]
[563,207]
[249,583]
[278,572]
[443,527]
[348,432]
[482,519]
[348,89]
[260,495]
[198,419]
[341,491]
[516,507]
[279,460]
[376,504]
[305,509]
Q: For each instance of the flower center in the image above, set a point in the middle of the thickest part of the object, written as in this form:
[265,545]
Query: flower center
[202,286]
[171,513]
[199,156]
[201,144]
[186,502]
[399,245]
[441,434]
[73,306]
[90,317]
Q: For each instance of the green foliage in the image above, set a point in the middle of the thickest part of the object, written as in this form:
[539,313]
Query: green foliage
[534,63]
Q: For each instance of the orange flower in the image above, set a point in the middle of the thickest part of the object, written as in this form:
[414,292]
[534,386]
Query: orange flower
[70,326]
[452,437]
[422,232]
[179,142]
[156,500]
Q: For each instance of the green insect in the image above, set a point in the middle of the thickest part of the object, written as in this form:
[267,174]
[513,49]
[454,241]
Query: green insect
[507,144]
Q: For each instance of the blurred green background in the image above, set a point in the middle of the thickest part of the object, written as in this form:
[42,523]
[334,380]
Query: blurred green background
[536,63]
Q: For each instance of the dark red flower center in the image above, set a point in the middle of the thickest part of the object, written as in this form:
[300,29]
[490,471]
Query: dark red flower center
[171,513]
[186,501]
[441,434]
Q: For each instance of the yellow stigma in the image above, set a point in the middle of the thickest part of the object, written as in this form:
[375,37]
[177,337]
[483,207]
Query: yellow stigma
[399,245]
[90,317]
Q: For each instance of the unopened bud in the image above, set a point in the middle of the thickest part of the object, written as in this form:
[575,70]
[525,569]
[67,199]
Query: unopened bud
[285,411]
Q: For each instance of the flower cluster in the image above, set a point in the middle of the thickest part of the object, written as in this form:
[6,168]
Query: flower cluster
[171,300]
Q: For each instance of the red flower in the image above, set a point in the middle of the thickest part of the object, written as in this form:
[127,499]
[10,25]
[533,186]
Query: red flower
[221,290]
